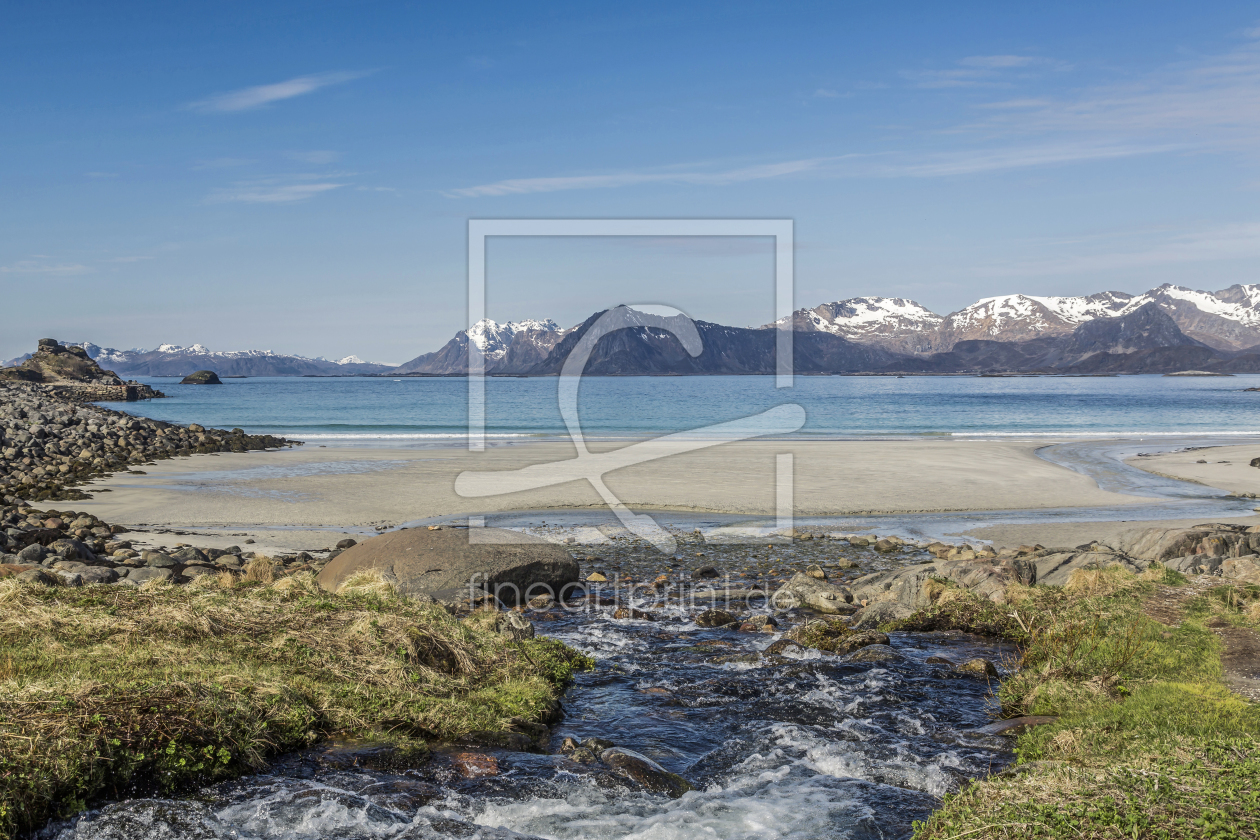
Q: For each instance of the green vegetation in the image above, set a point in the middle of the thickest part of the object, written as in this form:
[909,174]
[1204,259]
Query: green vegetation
[1148,742]
[164,688]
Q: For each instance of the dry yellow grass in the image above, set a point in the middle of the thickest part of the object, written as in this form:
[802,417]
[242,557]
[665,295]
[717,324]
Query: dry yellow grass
[1097,583]
[260,570]
[367,582]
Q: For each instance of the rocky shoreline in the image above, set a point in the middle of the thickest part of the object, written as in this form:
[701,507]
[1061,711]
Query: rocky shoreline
[50,446]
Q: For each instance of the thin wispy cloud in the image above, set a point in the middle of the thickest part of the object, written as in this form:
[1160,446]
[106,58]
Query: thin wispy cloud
[519,186]
[270,193]
[975,161]
[40,267]
[1213,102]
[882,165]
[247,99]
[983,71]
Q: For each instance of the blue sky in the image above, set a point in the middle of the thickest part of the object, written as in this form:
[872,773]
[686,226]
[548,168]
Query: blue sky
[297,177]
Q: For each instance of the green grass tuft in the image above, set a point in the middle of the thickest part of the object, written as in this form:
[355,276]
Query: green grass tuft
[164,688]
[1148,743]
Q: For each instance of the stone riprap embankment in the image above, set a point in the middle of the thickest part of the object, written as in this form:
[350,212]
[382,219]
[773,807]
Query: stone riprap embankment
[49,445]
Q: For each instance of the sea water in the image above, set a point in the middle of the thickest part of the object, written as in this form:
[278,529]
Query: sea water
[417,411]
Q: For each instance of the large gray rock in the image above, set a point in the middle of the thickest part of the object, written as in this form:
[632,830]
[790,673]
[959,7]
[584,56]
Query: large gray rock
[907,587]
[187,555]
[39,576]
[98,574]
[149,573]
[880,612]
[32,554]
[158,559]
[804,590]
[1246,569]
[445,565]
[1054,569]
[1221,549]
[72,549]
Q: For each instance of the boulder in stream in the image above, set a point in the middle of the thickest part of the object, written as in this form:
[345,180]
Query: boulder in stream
[806,591]
[645,772]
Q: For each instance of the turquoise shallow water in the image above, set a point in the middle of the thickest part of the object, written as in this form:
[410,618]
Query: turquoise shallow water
[416,411]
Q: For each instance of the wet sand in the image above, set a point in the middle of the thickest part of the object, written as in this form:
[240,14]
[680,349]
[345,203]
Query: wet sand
[1227,467]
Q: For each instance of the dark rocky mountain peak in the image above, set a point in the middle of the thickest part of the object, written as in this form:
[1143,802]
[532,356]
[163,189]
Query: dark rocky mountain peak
[1146,328]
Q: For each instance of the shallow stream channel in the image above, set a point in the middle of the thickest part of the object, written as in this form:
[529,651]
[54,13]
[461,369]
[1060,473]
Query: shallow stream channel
[799,744]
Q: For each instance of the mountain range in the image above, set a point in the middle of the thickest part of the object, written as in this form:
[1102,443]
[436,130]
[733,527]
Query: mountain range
[1167,329]
[175,360]
[1228,320]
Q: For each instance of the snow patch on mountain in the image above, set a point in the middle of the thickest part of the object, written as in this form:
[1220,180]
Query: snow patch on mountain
[493,338]
[1237,303]
[995,315]
[858,316]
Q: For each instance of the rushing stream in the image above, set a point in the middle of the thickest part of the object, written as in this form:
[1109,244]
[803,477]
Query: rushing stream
[799,745]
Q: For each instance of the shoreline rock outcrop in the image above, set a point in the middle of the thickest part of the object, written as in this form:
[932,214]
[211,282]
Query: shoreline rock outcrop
[899,593]
[1231,551]
[69,372]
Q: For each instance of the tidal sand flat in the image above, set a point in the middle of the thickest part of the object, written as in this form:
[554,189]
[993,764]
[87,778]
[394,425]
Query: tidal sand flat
[362,488]
[1224,467]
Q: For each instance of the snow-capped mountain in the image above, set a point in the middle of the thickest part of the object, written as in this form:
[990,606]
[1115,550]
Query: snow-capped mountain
[1024,317]
[178,360]
[897,324]
[494,339]
[1226,320]
[16,360]
[509,347]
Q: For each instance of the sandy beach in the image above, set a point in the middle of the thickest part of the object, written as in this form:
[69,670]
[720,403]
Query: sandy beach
[303,497]
[1225,467]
